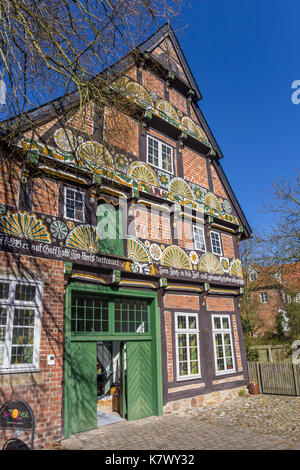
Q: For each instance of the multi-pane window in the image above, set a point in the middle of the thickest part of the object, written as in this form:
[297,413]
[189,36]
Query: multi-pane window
[215,243]
[89,314]
[187,346]
[264,297]
[97,314]
[222,338]
[159,154]
[131,316]
[20,304]
[199,240]
[74,205]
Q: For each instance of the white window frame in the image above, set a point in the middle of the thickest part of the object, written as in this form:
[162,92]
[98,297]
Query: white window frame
[10,304]
[65,204]
[223,331]
[201,229]
[160,161]
[212,246]
[187,331]
[253,275]
[264,297]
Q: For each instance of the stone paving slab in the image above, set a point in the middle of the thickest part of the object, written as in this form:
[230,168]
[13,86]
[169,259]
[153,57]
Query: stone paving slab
[261,422]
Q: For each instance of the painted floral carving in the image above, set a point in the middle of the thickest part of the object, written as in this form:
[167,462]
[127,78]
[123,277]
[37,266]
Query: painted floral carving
[194,257]
[59,229]
[155,252]
[24,225]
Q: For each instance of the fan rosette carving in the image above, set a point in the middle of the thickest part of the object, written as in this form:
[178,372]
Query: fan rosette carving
[95,155]
[209,263]
[236,268]
[24,225]
[83,237]
[175,257]
[181,188]
[137,251]
[140,171]
[166,108]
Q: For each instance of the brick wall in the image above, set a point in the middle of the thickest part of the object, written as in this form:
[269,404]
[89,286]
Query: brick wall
[168,329]
[217,185]
[162,137]
[121,131]
[45,196]
[153,83]
[220,304]
[178,100]
[42,389]
[228,247]
[267,312]
[40,130]
[9,183]
[237,344]
[194,167]
[193,115]
[181,301]
[152,225]
[184,234]
[83,120]
[131,73]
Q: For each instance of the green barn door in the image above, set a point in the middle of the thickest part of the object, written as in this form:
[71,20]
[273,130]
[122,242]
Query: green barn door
[82,387]
[140,397]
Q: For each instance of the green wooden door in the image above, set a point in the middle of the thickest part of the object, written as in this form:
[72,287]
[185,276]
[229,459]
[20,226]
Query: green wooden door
[139,379]
[82,387]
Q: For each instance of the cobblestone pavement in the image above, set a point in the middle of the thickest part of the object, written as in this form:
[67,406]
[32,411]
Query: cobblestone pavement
[261,422]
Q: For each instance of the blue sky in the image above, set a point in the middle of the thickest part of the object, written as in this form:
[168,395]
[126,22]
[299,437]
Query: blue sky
[244,55]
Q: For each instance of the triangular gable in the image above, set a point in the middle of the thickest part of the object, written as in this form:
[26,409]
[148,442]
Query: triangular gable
[165,41]
[166,53]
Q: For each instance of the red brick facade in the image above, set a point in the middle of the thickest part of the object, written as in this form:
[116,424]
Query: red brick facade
[194,168]
[43,389]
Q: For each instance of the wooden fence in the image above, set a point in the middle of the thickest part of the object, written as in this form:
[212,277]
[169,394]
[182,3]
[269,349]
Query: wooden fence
[275,378]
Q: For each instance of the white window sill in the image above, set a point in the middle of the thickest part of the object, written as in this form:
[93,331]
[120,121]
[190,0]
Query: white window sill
[188,377]
[226,372]
[19,371]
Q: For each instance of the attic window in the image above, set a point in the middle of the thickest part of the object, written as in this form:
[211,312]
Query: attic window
[253,276]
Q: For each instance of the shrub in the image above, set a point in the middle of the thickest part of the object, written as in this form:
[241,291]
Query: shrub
[252,355]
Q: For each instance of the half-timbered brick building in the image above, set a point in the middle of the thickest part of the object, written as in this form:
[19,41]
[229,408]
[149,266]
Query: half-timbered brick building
[119,247]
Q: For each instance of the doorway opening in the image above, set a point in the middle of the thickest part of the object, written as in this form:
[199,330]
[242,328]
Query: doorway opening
[111,370]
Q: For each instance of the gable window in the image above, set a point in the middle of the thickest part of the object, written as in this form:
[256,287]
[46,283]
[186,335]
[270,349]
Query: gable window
[215,243]
[199,240]
[20,309]
[187,346]
[222,339]
[74,205]
[253,276]
[264,297]
[159,154]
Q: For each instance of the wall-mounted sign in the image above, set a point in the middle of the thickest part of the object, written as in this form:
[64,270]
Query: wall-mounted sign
[18,415]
